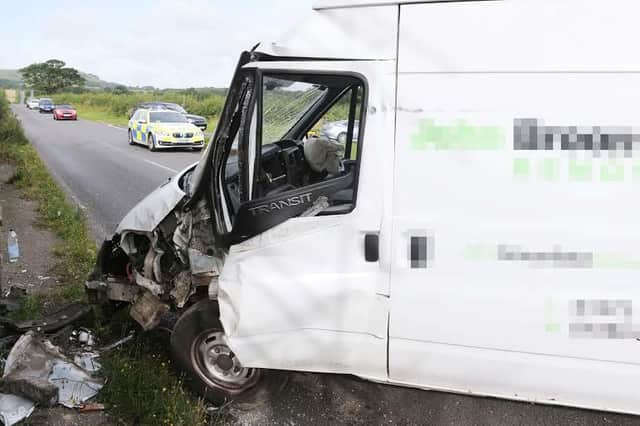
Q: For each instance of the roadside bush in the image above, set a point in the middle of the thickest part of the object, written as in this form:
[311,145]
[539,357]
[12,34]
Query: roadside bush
[10,129]
[205,102]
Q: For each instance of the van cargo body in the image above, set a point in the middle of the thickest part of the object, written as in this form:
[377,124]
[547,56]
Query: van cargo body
[478,230]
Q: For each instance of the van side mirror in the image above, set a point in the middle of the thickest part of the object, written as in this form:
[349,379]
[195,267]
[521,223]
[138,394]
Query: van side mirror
[257,216]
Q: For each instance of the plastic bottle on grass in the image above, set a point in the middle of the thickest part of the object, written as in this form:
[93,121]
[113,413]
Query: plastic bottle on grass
[14,249]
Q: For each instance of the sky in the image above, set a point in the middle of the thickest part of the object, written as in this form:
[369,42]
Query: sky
[162,43]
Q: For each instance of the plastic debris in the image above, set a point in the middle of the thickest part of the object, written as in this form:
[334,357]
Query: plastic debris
[37,370]
[14,409]
[50,323]
[86,337]
[27,369]
[13,247]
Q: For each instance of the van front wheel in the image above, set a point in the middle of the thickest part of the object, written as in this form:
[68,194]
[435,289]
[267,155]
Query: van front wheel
[199,347]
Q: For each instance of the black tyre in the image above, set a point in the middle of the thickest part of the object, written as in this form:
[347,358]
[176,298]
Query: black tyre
[198,347]
[151,142]
[130,136]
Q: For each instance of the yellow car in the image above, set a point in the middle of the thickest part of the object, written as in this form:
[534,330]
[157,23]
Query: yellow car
[163,129]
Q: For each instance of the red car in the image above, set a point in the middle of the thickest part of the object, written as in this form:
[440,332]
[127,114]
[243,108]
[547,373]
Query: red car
[64,112]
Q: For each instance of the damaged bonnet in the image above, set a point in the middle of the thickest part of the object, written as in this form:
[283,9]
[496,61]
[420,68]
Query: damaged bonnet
[161,255]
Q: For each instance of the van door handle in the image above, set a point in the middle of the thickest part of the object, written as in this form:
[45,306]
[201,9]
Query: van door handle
[371,248]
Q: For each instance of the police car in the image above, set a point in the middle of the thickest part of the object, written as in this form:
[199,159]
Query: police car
[163,129]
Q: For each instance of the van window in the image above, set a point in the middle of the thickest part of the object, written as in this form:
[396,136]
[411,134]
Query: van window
[306,123]
[334,124]
[287,145]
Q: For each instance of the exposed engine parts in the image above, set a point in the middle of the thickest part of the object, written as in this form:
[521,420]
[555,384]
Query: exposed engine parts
[161,269]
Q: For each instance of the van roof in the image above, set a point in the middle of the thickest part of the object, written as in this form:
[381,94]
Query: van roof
[335,4]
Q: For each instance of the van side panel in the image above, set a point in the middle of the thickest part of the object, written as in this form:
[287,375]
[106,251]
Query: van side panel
[358,33]
[515,221]
[520,35]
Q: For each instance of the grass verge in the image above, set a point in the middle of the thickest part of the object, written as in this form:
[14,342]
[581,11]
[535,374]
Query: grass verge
[101,116]
[76,250]
[142,387]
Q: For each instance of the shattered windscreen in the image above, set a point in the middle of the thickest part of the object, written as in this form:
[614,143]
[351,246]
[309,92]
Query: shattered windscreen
[284,103]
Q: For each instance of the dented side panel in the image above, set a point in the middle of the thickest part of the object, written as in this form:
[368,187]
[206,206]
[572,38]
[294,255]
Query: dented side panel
[303,297]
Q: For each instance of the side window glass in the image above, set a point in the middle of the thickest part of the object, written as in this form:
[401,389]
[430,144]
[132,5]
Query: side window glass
[310,128]
[334,124]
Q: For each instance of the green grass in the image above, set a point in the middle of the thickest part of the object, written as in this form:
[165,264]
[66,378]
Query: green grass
[101,116]
[142,386]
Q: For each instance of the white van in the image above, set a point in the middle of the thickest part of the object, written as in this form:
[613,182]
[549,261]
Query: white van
[473,231]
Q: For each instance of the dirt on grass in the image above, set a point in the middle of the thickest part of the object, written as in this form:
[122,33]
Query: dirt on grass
[36,271]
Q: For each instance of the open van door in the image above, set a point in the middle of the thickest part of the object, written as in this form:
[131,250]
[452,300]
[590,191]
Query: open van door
[301,194]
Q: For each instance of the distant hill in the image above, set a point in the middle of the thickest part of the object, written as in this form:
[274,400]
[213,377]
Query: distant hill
[11,78]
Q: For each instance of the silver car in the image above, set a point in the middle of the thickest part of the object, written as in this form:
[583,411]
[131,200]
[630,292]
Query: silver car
[33,103]
[337,130]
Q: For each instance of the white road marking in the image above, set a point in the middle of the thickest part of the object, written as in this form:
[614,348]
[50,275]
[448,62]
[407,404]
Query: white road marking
[160,165]
[116,127]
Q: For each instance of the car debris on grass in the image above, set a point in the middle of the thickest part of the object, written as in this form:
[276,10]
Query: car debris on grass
[38,372]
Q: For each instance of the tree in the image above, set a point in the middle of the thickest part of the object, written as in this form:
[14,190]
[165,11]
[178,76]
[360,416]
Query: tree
[120,90]
[51,76]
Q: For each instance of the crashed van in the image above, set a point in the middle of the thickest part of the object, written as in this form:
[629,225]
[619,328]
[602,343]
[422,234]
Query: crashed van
[475,230]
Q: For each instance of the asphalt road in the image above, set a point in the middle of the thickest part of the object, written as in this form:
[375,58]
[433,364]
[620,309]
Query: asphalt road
[106,176]
[97,167]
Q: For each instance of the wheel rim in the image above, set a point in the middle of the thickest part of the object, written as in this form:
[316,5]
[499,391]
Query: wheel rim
[217,365]
[130,137]
[150,141]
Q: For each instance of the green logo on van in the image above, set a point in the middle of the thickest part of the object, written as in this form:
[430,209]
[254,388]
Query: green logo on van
[460,136]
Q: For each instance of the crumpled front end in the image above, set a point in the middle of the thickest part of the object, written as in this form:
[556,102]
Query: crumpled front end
[161,258]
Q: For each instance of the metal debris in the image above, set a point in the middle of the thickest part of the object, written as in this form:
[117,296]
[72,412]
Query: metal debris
[117,343]
[37,370]
[75,385]
[14,409]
